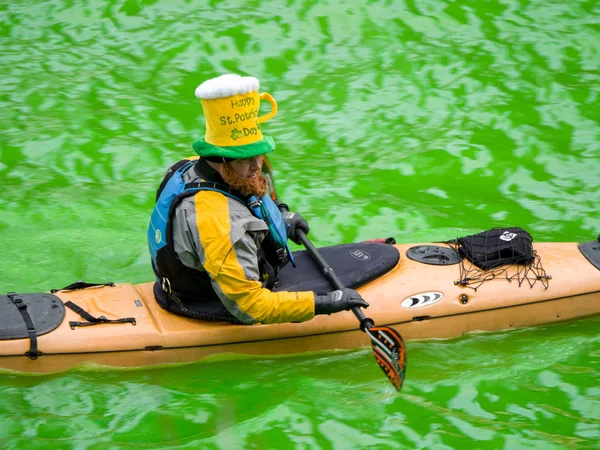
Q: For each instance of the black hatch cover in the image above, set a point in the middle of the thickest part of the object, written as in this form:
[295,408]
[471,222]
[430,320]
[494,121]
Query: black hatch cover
[46,311]
[433,254]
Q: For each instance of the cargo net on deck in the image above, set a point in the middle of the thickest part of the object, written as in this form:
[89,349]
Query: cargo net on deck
[505,253]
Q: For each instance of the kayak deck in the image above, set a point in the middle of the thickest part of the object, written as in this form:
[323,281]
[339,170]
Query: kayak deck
[161,337]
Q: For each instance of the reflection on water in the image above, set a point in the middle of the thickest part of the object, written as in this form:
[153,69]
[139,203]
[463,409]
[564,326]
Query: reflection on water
[420,120]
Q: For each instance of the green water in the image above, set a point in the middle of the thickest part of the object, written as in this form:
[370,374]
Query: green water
[420,120]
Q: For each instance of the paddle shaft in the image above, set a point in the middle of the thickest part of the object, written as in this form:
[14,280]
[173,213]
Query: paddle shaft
[331,276]
[388,346]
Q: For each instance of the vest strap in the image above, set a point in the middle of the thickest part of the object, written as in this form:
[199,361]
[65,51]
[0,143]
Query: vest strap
[33,352]
[213,185]
[91,320]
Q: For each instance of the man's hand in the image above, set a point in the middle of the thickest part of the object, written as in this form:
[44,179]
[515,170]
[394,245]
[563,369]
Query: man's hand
[336,301]
[294,222]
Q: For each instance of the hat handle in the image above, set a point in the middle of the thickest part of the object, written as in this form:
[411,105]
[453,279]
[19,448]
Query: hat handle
[271,114]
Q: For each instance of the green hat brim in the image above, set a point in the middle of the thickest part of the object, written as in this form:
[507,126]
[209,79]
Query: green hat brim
[204,149]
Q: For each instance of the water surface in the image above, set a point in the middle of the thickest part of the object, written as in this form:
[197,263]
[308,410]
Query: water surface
[420,120]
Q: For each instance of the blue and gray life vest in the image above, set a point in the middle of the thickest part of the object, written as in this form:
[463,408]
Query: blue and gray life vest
[180,282]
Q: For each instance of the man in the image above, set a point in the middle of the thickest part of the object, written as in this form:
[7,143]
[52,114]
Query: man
[217,240]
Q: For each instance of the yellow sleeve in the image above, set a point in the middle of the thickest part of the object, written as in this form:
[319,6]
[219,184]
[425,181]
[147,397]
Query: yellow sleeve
[228,235]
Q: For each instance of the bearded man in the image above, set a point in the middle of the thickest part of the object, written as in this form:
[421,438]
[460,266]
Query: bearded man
[217,240]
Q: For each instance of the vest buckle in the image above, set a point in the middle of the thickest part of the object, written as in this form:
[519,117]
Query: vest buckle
[254,203]
[166,285]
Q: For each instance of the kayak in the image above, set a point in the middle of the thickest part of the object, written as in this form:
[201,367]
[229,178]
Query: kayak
[414,288]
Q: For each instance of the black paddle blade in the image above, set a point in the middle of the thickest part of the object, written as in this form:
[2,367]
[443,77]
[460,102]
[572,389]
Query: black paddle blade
[390,353]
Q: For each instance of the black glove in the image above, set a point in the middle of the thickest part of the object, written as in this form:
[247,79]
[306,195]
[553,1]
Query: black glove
[337,301]
[293,222]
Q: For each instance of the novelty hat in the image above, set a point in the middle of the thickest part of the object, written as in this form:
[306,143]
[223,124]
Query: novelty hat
[230,104]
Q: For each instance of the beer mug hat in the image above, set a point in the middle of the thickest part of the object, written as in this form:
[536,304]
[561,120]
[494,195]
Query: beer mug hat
[231,104]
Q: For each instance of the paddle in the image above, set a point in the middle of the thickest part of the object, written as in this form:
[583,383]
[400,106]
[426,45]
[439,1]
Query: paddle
[388,346]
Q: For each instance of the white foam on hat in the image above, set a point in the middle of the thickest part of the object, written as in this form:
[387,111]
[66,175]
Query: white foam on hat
[226,86]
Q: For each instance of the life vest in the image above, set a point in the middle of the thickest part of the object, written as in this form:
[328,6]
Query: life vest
[188,291]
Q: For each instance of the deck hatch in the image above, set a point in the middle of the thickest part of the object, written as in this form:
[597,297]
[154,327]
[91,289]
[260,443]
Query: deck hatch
[591,251]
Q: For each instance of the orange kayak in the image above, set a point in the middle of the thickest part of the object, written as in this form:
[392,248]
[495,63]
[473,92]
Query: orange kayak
[419,296]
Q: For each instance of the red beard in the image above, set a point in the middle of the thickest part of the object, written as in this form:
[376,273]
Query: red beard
[247,186]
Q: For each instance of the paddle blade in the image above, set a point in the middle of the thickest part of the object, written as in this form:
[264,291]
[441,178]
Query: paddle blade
[390,353]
